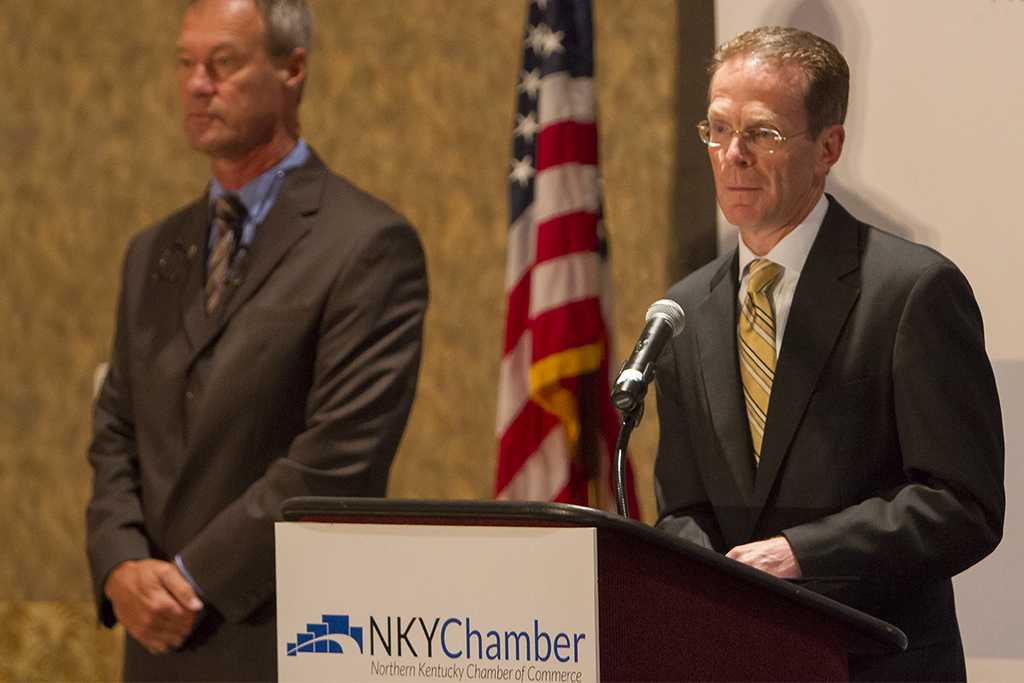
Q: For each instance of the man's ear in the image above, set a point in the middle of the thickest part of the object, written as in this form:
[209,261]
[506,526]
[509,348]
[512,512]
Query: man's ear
[831,141]
[292,69]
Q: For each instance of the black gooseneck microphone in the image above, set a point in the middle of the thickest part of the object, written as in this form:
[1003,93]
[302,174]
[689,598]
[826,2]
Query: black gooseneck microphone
[665,320]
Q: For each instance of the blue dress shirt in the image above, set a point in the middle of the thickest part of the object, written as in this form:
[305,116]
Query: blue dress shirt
[259,194]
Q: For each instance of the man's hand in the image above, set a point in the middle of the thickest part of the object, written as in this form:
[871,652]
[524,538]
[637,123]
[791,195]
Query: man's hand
[154,602]
[772,555]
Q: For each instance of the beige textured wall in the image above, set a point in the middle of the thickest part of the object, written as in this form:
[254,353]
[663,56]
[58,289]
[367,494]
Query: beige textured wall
[413,100]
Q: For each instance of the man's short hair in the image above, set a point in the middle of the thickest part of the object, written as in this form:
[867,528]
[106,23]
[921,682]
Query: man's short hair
[826,73]
[289,25]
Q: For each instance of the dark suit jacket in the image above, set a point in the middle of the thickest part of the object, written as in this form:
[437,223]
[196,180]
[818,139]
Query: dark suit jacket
[882,459]
[300,385]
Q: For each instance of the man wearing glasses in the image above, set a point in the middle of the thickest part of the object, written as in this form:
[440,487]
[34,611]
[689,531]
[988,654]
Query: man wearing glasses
[829,410]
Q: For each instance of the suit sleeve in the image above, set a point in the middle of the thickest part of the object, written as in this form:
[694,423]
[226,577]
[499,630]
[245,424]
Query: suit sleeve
[114,522]
[949,512]
[684,510]
[364,379]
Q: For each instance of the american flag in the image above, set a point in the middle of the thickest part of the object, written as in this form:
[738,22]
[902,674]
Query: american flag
[556,424]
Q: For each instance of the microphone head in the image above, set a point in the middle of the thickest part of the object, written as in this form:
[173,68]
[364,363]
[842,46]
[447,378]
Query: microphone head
[669,311]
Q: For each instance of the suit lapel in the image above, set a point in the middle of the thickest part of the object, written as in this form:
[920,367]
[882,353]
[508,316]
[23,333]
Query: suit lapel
[193,294]
[282,228]
[716,339]
[821,305]
[172,279]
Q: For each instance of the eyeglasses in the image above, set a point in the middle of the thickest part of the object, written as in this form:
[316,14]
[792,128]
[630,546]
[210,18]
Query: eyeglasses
[760,139]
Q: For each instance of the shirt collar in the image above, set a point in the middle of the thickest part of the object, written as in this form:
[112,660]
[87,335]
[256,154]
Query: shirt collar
[792,250]
[254,193]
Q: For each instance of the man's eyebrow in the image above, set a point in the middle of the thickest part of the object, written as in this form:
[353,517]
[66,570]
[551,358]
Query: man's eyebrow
[219,47]
[222,47]
[762,122]
[755,120]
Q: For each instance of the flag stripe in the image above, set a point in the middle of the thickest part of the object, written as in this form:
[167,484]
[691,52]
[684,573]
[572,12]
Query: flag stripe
[566,142]
[523,437]
[544,474]
[514,381]
[564,280]
[566,234]
[563,98]
[563,189]
[522,244]
[517,316]
[577,323]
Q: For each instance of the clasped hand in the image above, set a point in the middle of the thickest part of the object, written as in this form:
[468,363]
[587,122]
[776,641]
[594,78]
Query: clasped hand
[154,603]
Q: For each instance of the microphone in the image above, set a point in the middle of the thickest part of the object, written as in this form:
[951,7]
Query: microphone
[664,321]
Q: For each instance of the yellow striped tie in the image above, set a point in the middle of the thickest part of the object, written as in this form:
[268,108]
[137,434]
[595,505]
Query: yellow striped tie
[757,346]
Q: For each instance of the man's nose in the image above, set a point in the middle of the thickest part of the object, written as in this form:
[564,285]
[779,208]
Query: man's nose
[198,82]
[737,151]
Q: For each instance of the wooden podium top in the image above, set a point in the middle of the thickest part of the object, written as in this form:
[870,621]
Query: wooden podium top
[866,633]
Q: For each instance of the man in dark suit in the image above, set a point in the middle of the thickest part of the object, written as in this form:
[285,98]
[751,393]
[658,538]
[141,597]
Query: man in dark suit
[267,346]
[829,410]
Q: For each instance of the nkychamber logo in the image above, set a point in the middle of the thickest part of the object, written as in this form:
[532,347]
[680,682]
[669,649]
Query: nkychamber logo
[449,648]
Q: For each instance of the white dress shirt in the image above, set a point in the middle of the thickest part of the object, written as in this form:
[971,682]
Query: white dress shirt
[790,253]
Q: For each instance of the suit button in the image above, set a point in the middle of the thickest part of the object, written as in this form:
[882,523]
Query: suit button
[189,395]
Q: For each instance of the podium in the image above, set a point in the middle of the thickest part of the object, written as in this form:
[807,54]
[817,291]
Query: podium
[665,609]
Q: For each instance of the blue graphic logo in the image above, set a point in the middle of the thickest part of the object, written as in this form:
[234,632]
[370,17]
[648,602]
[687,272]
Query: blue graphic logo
[323,637]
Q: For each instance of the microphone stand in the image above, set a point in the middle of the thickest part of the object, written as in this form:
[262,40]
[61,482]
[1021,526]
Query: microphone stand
[630,419]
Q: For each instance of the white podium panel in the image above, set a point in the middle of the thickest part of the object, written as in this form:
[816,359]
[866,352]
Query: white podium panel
[387,602]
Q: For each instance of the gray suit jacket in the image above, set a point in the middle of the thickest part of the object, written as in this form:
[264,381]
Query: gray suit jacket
[882,459]
[300,385]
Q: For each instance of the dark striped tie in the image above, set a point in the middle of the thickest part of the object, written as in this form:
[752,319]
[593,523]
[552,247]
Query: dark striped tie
[228,216]
[757,346]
